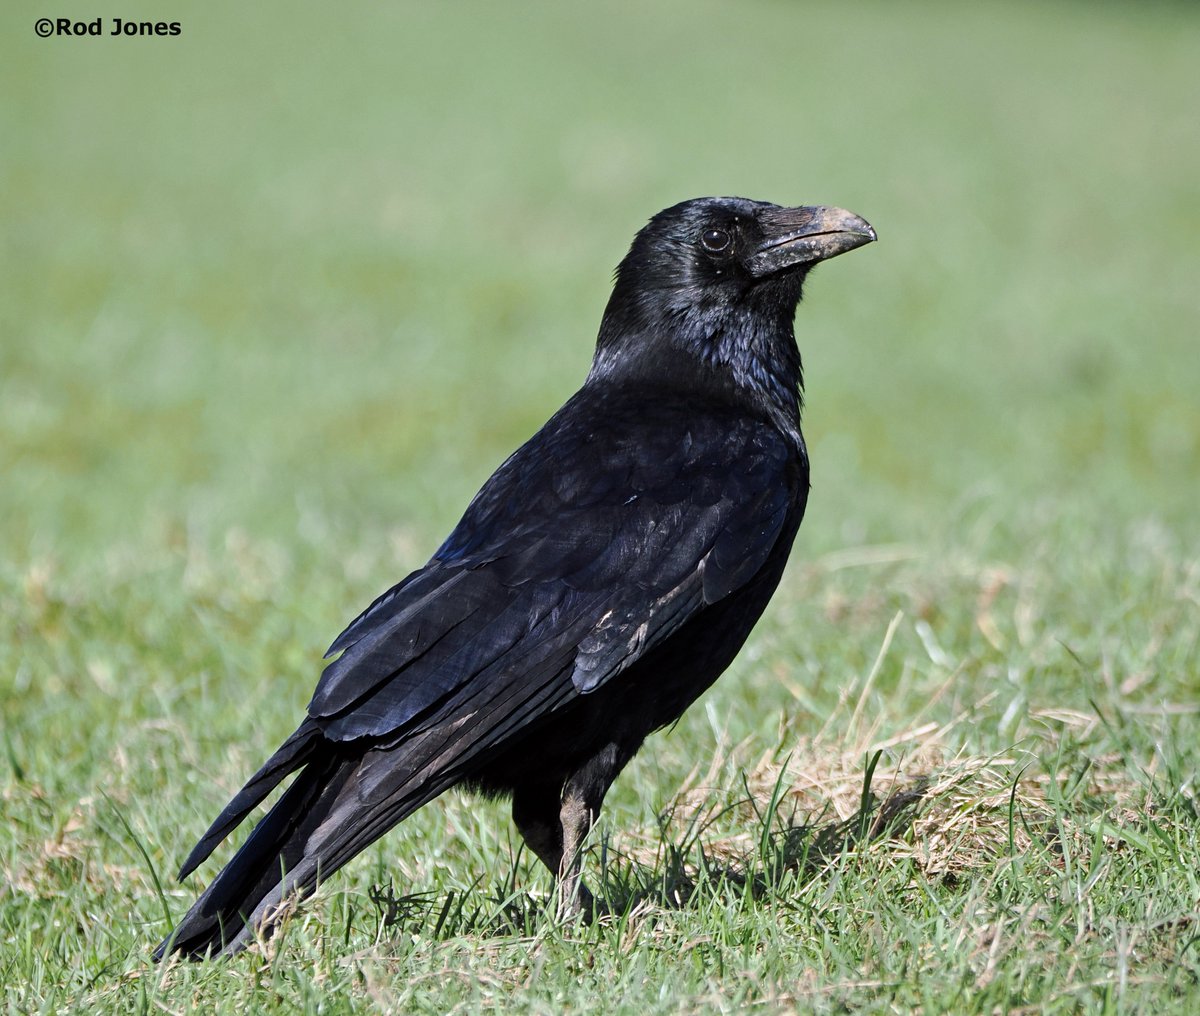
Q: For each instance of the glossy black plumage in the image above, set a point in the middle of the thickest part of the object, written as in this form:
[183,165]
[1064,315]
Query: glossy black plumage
[604,576]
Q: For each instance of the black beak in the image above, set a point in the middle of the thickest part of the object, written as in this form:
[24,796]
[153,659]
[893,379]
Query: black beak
[797,236]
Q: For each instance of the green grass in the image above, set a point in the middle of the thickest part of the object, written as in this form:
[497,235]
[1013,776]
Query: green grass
[279,293]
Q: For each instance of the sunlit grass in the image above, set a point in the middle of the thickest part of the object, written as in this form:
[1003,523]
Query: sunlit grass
[278,295]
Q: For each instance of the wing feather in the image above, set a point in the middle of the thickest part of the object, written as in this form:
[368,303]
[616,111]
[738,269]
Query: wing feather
[569,565]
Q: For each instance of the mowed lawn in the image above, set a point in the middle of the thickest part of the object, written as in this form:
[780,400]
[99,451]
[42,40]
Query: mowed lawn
[277,295]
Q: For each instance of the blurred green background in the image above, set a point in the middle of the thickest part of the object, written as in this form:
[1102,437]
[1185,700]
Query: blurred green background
[348,259]
[278,293]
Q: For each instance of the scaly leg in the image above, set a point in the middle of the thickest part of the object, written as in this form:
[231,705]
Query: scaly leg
[582,795]
[555,821]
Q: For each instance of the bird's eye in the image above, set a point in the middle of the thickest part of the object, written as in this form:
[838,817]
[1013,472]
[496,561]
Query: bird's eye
[715,240]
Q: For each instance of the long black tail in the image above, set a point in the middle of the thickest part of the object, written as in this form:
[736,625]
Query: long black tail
[341,801]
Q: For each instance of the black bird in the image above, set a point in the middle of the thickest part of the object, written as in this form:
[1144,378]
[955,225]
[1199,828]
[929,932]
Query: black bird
[604,577]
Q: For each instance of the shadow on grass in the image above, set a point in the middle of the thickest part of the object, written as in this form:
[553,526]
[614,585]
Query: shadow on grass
[786,851]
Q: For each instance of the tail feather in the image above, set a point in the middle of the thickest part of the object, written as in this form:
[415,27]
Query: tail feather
[338,804]
[275,847]
[341,836]
[345,796]
[292,754]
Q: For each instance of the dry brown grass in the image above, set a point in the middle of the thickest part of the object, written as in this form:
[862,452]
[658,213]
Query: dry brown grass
[914,796]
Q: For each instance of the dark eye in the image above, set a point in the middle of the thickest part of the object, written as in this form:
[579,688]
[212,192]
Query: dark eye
[715,240]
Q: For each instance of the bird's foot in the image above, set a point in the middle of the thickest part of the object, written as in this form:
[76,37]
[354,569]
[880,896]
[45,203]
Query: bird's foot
[575,902]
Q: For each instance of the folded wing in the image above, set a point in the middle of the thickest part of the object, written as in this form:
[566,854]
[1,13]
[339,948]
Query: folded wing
[566,568]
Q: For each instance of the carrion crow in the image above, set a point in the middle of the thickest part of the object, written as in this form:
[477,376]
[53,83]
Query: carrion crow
[604,577]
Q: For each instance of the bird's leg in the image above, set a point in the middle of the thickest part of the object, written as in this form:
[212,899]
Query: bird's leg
[554,820]
[576,817]
[554,823]
[535,814]
[582,795]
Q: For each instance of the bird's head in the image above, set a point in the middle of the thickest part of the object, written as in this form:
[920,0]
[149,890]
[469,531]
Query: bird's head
[733,250]
[719,279]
